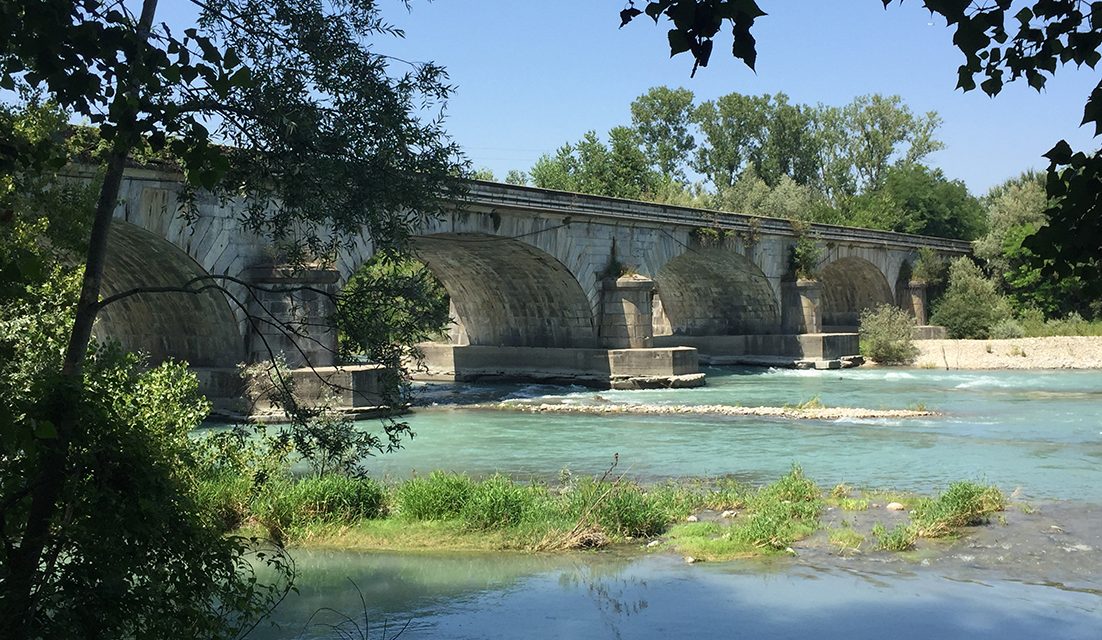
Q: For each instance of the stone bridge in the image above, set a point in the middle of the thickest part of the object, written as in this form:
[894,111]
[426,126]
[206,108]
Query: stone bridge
[586,280]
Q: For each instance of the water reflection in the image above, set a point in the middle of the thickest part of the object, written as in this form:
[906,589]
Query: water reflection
[605,596]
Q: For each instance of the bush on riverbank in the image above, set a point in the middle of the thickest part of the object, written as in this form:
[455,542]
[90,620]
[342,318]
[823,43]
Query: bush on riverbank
[971,305]
[887,335]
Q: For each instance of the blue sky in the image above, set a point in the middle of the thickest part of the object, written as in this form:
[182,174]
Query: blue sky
[533,75]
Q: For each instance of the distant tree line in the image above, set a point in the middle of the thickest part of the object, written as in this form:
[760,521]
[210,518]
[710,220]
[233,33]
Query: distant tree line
[860,164]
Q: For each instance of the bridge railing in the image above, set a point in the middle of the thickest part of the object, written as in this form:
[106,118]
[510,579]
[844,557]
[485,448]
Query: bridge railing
[492,195]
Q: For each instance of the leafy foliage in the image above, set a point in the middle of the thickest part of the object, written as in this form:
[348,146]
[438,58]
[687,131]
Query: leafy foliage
[930,268]
[661,118]
[155,563]
[805,255]
[914,199]
[1001,42]
[618,169]
[283,105]
[887,335]
[385,309]
[765,155]
[971,305]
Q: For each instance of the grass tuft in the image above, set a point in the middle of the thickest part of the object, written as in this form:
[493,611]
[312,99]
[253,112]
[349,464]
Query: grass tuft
[439,496]
[963,504]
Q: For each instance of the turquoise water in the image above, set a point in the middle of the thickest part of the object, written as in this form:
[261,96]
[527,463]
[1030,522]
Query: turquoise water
[1038,432]
[653,597]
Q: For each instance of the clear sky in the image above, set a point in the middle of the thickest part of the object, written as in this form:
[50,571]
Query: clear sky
[531,76]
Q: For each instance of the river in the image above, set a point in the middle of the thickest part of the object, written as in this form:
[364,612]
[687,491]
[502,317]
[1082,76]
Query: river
[1037,434]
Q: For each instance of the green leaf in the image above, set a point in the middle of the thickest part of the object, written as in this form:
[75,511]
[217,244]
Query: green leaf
[627,15]
[679,42]
[1092,112]
[44,429]
[1035,79]
[1060,154]
[965,79]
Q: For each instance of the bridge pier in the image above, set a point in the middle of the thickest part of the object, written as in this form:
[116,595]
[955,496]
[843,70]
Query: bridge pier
[290,311]
[912,299]
[800,306]
[626,320]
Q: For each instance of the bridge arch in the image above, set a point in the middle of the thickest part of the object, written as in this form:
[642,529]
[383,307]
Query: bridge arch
[851,285]
[716,291]
[197,328]
[505,292]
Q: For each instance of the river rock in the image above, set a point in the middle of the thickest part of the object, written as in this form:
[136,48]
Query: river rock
[691,560]
[692,519]
[894,506]
[728,514]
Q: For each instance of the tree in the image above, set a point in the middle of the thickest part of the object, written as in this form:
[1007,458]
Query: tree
[971,306]
[1016,209]
[751,195]
[661,118]
[734,129]
[882,131]
[517,177]
[281,103]
[1015,204]
[619,169]
[1002,42]
[915,199]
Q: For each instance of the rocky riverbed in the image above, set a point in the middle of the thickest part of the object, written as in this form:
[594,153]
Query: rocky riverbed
[1058,352]
[796,412]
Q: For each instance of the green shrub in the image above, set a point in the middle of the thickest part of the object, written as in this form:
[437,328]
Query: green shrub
[971,306]
[901,538]
[625,509]
[498,502]
[439,496]
[887,335]
[287,505]
[1007,329]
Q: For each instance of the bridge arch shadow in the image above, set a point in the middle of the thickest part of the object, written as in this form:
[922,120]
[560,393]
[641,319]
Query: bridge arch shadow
[716,291]
[851,285]
[506,292]
[200,329]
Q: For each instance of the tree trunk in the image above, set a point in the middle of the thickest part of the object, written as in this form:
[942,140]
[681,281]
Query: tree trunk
[62,405]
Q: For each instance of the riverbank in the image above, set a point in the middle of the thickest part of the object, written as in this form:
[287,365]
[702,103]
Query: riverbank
[1056,352]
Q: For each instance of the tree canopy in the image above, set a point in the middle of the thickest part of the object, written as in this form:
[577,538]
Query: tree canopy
[1002,42]
[857,164]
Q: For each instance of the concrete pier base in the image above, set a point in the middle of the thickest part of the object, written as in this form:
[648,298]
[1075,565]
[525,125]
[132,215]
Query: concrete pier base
[671,367]
[353,388]
[809,350]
